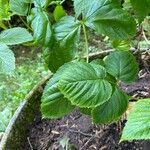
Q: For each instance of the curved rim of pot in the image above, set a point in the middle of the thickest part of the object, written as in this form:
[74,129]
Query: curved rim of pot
[37,89]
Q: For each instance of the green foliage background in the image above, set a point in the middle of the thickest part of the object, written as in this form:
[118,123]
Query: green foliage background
[27,74]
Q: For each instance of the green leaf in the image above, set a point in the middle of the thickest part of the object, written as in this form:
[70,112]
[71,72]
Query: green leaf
[84,84]
[109,77]
[7,59]
[138,124]
[111,110]
[86,111]
[2,25]
[19,7]
[39,3]
[41,26]
[114,22]
[4,10]
[98,62]
[59,12]
[54,105]
[71,30]
[15,36]
[57,55]
[122,65]
[142,8]
[106,17]
[27,1]
[47,3]
[121,45]
[63,48]
[87,7]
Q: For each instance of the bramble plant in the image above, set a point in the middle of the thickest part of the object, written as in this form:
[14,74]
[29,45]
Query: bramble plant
[92,86]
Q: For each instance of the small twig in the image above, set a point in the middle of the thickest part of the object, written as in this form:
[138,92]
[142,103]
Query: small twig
[62,2]
[31,147]
[29,10]
[92,137]
[86,43]
[29,28]
[99,54]
[80,132]
[89,140]
[9,24]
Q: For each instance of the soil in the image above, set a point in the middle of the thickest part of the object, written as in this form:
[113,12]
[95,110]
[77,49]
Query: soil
[78,133]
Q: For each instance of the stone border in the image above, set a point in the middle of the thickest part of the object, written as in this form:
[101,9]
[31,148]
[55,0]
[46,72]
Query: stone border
[22,119]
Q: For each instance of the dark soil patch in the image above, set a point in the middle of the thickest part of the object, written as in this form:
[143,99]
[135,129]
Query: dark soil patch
[140,88]
[46,135]
[80,133]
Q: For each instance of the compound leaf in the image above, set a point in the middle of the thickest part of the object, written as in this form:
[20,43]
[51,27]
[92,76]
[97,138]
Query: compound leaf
[114,22]
[106,17]
[85,85]
[138,124]
[122,64]
[111,110]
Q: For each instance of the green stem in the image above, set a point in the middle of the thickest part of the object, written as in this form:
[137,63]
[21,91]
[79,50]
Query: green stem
[30,6]
[29,28]
[86,43]
[9,24]
[62,2]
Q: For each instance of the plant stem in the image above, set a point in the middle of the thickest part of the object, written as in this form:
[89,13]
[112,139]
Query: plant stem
[30,6]
[29,28]
[86,43]
[54,3]
[145,38]
[62,2]
[9,24]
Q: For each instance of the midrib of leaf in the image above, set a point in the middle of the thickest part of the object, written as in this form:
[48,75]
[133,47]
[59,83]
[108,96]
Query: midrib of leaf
[72,32]
[47,23]
[86,80]
[105,4]
[76,27]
